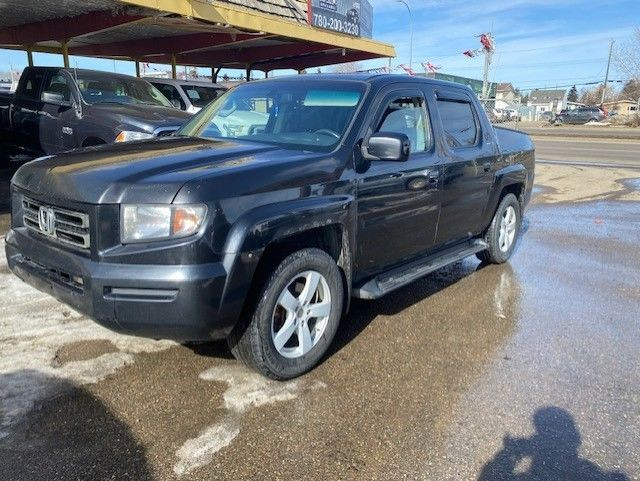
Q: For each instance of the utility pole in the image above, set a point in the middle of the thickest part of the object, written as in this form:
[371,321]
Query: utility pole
[485,75]
[606,75]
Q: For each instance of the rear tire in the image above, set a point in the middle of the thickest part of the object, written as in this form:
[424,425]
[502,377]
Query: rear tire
[280,337]
[503,231]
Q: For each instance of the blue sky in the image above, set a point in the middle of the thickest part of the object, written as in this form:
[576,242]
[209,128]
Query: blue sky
[539,43]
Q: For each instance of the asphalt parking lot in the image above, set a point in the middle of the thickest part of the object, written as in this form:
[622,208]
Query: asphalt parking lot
[527,370]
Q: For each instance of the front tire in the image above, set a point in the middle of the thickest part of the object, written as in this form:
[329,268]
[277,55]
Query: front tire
[294,319]
[503,232]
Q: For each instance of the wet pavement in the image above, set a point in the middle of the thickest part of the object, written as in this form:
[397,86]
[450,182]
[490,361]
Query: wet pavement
[528,370]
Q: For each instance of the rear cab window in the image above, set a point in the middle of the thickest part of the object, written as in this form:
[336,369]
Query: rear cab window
[459,122]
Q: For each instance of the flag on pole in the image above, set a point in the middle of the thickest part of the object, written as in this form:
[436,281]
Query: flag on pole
[406,68]
[428,66]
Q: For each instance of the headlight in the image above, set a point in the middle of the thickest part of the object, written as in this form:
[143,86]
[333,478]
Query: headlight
[156,222]
[126,135]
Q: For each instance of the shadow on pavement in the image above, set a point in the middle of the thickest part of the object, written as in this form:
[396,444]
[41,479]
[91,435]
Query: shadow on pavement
[71,436]
[550,454]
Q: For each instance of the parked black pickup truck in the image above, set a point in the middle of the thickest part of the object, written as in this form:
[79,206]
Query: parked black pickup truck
[56,109]
[269,209]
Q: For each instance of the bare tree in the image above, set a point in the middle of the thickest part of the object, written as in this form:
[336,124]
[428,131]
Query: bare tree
[626,56]
[593,96]
[350,67]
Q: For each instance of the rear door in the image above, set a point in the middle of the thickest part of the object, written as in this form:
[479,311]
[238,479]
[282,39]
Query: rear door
[470,153]
[399,202]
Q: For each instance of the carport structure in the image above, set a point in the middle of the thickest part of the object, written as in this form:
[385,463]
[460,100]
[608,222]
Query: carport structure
[259,35]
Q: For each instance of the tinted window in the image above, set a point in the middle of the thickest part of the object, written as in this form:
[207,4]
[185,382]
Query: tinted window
[310,115]
[97,87]
[459,123]
[172,94]
[201,95]
[32,84]
[407,116]
[58,84]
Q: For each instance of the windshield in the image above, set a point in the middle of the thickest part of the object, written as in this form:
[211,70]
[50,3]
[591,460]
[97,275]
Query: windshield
[201,95]
[311,115]
[99,88]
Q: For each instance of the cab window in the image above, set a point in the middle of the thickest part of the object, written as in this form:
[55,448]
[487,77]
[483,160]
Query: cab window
[59,85]
[459,123]
[407,115]
[32,84]
[172,94]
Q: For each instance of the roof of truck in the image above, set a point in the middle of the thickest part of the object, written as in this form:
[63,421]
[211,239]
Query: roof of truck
[377,79]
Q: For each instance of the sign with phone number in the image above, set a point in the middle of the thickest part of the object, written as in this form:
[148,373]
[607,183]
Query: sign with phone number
[351,17]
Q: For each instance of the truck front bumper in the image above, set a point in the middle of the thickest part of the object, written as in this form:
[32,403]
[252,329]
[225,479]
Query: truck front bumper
[180,302]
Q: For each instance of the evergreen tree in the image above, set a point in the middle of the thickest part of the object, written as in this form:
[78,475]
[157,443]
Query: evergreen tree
[573,94]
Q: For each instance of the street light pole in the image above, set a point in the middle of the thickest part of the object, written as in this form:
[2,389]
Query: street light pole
[410,33]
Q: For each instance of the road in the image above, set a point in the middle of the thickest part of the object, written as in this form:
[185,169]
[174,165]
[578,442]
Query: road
[589,152]
[527,370]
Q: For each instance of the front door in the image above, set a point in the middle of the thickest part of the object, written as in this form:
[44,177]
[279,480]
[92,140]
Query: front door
[399,202]
[468,172]
[57,119]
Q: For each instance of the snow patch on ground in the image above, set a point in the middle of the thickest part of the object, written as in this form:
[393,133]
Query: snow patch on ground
[33,326]
[200,451]
[247,390]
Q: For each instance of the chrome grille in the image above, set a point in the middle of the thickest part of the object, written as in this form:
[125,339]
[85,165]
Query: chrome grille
[65,226]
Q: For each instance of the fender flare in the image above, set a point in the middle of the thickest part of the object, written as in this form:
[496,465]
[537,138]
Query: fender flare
[256,229]
[515,174]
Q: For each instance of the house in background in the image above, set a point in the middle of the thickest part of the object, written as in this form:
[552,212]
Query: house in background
[622,107]
[547,101]
[506,94]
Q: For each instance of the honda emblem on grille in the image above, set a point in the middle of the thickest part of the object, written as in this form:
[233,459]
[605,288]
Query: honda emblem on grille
[47,220]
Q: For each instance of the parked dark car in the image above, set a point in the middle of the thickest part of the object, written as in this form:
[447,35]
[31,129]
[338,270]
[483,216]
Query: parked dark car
[345,185]
[581,115]
[57,109]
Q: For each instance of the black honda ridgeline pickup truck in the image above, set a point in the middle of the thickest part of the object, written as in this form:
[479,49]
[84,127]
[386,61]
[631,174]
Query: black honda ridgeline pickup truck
[261,217]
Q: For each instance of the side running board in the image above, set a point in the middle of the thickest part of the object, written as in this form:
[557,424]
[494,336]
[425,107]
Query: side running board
[407,273]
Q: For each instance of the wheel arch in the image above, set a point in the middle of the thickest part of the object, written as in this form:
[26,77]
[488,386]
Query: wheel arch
[264,236]
[510,180]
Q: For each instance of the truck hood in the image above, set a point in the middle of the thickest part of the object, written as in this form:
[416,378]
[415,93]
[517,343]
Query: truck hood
[150,171]
[142,117]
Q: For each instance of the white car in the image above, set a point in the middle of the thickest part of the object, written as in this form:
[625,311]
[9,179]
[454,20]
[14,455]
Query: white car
[187,95]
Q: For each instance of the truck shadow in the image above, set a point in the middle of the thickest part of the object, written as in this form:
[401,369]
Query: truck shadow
[363,312]
[71,435]
[550,453]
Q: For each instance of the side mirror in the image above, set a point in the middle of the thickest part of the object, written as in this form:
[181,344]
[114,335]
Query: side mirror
[55,98]
[387,146]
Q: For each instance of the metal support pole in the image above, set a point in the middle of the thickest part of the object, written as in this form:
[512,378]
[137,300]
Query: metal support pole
[30,56]
[410,33]
[65,52]
[248,73]
[138,68]
[266,74]
[174,73]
